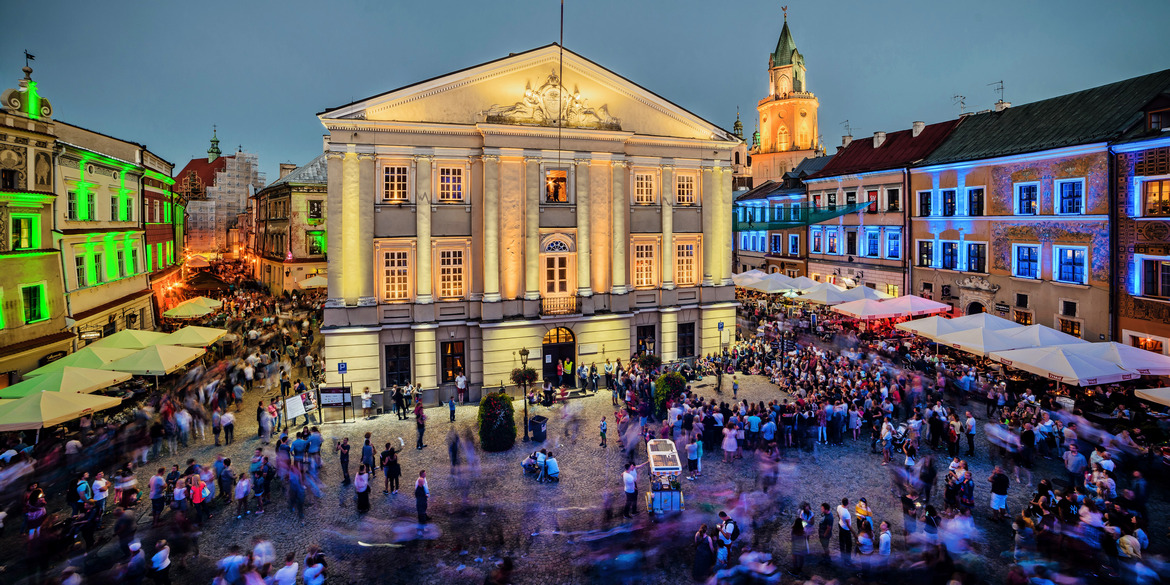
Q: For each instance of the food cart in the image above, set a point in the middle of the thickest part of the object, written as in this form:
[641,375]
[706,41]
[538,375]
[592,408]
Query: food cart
[665,494]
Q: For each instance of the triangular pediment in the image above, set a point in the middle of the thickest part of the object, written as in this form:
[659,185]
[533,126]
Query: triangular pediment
[529,89]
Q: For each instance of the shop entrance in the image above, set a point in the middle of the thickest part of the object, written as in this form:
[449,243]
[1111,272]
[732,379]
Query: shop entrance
[558,345]
[976,308]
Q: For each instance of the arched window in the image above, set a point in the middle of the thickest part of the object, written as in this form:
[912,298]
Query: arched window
[556,246]
[782,139]
[736,158]
[558,335]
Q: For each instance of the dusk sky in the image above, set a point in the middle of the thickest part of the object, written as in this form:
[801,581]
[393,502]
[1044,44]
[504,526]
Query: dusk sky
[161,73]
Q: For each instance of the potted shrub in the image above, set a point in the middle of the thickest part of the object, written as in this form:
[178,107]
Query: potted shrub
[649,361]
[667,387]
[497,423]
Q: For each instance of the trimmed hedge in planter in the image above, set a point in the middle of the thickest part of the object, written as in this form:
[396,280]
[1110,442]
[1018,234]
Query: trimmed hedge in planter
[497,422]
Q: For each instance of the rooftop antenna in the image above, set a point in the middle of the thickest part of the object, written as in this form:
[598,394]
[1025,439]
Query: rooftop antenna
[961,100]
[998,88]
[848,128]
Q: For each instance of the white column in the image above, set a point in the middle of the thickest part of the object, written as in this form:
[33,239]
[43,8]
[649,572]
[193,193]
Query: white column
[667,194]
[621,237]
[426,352]
[491,228]
[723,181]
[422,222]
[532,228]
[584,263]
[668,333]
[334,225]
[365,251]
[351,214]
[712,266]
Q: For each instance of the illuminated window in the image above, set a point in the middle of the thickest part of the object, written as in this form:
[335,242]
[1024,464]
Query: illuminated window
[1026,261]
[643,189]
[976,257]
[556,274]
[452,360]
[396,275]
[794,244]
[556,186]
[8,178]
[832,201]
[644,265]
[1071,327]
[975,201]
[924,203]
[949,205]
[926,253]
[1146,343]
[451,273]
[316,209]
[893,290]
[950,255]
[685,273]
[1156,278]
[1071,196]
[894,244]
[26,232]
[1070,264]
[816,242]
[1027,196]
[685,190]
[394,184]
[316,241]
[451,185]
[1023,317]
[35,303]
[79,265]
[872,243]
[832,242]
[892,200]
[782,139]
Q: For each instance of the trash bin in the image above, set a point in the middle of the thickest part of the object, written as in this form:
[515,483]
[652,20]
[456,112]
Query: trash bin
[538,428]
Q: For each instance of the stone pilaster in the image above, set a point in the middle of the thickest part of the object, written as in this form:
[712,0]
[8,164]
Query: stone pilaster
[334,225]
[621,234]
[491,228]
[532,184]
[724,183]
[712,267]
[584,262]
[365,227]
[668,194]
[422,218]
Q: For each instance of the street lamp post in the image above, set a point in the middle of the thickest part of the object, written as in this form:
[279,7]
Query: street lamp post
[524,386]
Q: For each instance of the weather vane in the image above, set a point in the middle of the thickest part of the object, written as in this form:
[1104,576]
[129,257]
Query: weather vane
[28,57]
[785,9]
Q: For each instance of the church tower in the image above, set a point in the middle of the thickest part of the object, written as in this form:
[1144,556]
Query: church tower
[788,115]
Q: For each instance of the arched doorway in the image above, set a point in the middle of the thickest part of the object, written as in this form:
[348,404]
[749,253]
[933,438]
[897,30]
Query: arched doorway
[558,344]
[976,308]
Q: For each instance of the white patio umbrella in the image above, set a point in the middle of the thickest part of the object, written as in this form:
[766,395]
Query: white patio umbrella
[864,292]
[985,321]
[804,282]
[824,294]
[864,309]
[931,327]
[912,305]
[745,278]
[315,281]
[1146,363]
[1041,336]
[1157,395]
[772,284]
[1063,365]
[980,341]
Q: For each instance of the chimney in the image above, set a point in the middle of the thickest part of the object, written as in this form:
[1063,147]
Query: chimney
[918,127]
[285,169]
[1002,105]
[878,138]
[846,139]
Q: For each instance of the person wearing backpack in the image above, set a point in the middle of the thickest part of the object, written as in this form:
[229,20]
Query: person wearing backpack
[728,531]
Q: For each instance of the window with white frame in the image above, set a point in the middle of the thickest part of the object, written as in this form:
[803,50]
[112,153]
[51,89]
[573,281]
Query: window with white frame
[950,256]
[926,253]
[99,264]
[796,212]
[643,188]
[396,275]
[816,241]
[1156,198]
[685,270]
[1069,264]
[925,203]
[743,241]
[831,244]
[79,266]
[556,274]
[451,185]
[121,257]
[128,212]
[794,244]
[1155,277]
[394,184]
[976,257]
[684,186]
[1027,199]
[1026,260]
[893,244]
[644,265]
[873,242]
[1070,196]
[114,207]
[71,209]
[832,200]
[893,200]
[949,202]
[975,201]
[451,274]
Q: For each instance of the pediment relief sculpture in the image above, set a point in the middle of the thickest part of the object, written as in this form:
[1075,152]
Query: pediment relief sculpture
[977,283]
[540,107]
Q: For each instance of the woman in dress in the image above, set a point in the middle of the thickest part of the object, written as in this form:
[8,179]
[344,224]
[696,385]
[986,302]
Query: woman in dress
[361,483]
[704,554]
[730,444]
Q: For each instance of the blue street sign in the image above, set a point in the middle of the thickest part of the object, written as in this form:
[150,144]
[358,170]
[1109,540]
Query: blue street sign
[341,367]
[721,325]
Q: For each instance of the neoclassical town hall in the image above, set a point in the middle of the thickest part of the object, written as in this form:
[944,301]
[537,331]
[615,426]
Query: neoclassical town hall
[466,223]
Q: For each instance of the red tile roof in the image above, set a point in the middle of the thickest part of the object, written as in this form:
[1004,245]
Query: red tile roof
[203,169]
[900,149]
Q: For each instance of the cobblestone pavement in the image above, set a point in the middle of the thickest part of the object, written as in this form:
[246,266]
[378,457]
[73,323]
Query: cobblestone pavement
[568,532]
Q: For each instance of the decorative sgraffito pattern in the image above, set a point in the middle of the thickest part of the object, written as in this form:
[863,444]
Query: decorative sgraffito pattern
[1093,233]
[1093,168]
[1136,235]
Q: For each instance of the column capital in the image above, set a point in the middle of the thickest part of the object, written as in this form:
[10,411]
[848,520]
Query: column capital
[582,161]
[708,168]
[335,155]
[666,166]
[424,157]
[532,159]
[490,158]
[365,156]
[621,164]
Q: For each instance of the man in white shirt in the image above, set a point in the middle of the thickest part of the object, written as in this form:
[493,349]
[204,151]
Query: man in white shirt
[461,387]
[969,426]
[845,526]
[287,575]
[630,483]
[101,490]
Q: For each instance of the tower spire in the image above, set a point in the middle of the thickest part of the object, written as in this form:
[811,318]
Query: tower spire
[213,152]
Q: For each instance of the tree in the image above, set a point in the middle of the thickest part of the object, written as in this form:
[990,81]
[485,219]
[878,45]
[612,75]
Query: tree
[668,386]
[497,423]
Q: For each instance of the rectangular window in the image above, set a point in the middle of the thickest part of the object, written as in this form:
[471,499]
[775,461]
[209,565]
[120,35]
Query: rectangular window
[851,242]
[832,249]
[685,190]
[873,241]
[453,365]
[8,179]
[450,184]
[394,184]
[794,244]
[777,243]
[976,257]
[894,245]
[851,198]
[451,274]
[26,233]
[643,265]
[949,205]
[114,207]
[816,201]
[1070,327]
[645,335]
[316,241]
[556,275]
[99,266]
[71,210]
[685,273]
[134,260]
[816,242]
[1070,264]
[1068,308]
[643,189]
[556,186]
[1146,343]
[795,212]
[926,253]
[950,255]
[893,290]
[1156,195]
[128,211]
[893,200]
[1071,196]
[79,265]
[1023,317]
[686,340]
[832,201]
[316,209]
[872,197]
[1156,278]
[1026,199]
[1022,300]
[975,201]
[924,203]
[121,257]
[396,275]
[91,206]
[1027,261]
[398,364]
[35,303]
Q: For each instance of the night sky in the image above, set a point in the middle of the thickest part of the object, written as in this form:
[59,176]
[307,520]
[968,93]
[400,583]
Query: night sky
[161,73]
